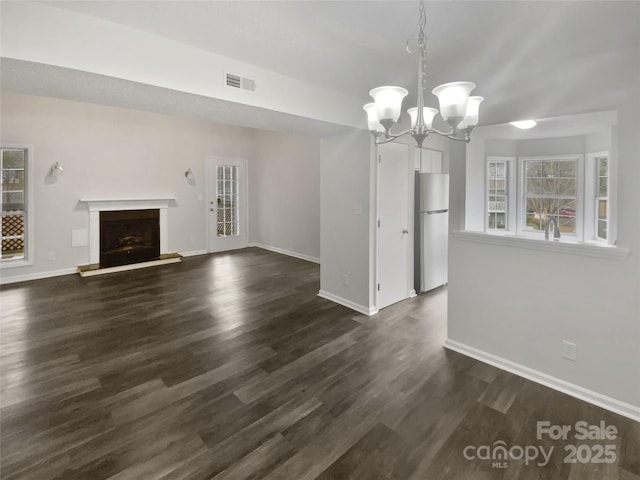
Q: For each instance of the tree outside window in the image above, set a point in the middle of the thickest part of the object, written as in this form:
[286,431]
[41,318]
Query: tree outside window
[551,191]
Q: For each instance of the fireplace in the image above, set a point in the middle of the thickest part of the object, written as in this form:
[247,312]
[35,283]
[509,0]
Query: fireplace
[129,236]
[97,207]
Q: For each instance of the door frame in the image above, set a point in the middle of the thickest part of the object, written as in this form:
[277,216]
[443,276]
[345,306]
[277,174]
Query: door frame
[210,162]
[410,222]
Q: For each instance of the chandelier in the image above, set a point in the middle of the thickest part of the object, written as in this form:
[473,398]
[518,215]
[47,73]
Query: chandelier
[457,108]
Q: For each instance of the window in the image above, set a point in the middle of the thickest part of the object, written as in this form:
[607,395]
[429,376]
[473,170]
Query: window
[15,206]
[500,201]
[575,190]
[497,207]
[551,189]
[602,195]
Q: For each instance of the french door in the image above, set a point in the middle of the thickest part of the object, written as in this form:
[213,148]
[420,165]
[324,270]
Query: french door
[227,221]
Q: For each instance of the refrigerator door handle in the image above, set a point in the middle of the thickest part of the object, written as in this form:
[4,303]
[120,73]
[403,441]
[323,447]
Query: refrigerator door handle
[433,212]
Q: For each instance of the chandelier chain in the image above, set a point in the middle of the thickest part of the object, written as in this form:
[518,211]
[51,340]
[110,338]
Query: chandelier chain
[422,43]
[422,23]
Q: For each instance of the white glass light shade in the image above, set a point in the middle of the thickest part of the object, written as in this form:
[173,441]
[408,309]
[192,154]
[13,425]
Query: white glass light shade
[472,115]
[428,114]
[372,118]
[388,102]
[453,98]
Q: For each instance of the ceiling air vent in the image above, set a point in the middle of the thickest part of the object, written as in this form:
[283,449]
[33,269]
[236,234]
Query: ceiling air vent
[236,81]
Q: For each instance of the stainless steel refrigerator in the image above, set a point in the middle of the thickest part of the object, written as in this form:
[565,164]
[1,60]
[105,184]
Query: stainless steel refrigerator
[431,230]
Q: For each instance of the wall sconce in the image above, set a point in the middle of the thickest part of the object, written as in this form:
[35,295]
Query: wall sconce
[56,170]
[191,179]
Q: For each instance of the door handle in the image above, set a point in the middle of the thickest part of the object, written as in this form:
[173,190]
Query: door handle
[405,232]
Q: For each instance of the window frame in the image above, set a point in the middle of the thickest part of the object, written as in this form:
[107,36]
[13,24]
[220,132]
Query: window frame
[29,210]
[580,195]
[511,194]
[591,191]
[598,198]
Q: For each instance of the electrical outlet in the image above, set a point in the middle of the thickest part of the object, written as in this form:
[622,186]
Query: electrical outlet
[52,256]
[568,350]
[345,280]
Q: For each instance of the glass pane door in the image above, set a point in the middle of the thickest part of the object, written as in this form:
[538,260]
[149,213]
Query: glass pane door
[228,201]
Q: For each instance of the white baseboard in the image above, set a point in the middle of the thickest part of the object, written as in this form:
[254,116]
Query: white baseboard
[348,303]
[5,280]
[194,253]
[301,256]
[36,276]
[66,271]
[595,398]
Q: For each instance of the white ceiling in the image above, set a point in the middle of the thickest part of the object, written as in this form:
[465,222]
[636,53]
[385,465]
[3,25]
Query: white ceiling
[50,81]
[564,126]
[517,52]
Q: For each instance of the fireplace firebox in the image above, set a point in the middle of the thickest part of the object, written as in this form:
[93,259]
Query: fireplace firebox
[129,236]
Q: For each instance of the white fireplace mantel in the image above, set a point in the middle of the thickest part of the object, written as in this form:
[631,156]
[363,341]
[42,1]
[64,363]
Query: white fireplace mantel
[100,205]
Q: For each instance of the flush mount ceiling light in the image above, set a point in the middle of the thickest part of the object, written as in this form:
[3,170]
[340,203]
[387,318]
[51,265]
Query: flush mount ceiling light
[524,124]
[457,108]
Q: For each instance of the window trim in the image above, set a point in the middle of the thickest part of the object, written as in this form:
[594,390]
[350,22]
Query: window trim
[594,250]
[591,187]
[29,211]
[511,194]
[598,198]
[580,194]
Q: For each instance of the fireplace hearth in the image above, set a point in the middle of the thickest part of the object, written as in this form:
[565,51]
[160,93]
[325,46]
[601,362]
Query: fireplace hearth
[129,236]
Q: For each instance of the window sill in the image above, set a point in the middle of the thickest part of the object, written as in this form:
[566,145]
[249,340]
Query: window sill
[8,263]
[570,247]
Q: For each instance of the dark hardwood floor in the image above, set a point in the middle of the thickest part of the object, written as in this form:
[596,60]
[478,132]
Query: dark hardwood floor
[231,367]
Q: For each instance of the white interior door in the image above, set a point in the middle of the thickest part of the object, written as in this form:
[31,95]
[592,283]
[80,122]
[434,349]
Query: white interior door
[227,203]
[394,168]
